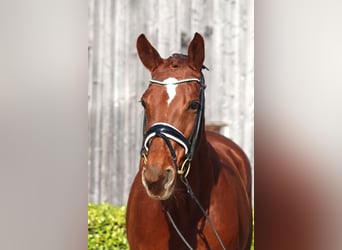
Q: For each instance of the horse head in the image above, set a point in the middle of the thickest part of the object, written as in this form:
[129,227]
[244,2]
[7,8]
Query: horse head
[172,103]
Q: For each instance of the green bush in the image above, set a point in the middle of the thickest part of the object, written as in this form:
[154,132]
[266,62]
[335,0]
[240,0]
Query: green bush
[253,234]
[106,227]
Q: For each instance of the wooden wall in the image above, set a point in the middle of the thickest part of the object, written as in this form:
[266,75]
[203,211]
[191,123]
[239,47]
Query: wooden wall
[117,78]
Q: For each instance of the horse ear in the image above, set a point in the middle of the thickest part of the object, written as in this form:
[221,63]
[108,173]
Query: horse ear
[196,51]
[148,55]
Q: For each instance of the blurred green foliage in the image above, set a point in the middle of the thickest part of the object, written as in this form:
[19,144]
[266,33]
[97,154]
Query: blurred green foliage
[252,244]
[107,227]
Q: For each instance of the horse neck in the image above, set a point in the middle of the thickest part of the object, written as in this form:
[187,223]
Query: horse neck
[200,179]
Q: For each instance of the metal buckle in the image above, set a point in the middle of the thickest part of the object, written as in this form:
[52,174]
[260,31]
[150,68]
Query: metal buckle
[144,157]
[185,168]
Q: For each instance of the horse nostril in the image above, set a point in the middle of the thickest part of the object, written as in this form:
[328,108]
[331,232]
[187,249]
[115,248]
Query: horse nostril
[168,177]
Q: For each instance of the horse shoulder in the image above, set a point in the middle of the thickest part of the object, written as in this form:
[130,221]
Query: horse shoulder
[232,187]
[231,154]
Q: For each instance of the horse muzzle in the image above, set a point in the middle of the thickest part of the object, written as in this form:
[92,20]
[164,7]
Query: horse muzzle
[159,183]
[160,159]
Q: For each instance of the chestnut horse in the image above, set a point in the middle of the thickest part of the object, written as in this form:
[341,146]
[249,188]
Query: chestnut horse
[192,190]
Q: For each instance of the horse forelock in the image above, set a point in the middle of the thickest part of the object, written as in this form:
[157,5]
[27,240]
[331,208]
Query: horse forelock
[176,66]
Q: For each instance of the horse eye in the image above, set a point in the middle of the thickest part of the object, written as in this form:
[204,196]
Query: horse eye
[194,105]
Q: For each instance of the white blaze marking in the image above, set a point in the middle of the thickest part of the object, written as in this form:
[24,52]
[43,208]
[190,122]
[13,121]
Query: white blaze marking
[171,88]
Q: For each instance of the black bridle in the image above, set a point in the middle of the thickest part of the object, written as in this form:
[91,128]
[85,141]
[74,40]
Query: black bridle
[168,132]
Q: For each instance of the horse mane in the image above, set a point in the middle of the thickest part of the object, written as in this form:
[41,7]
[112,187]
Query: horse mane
[179,55]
